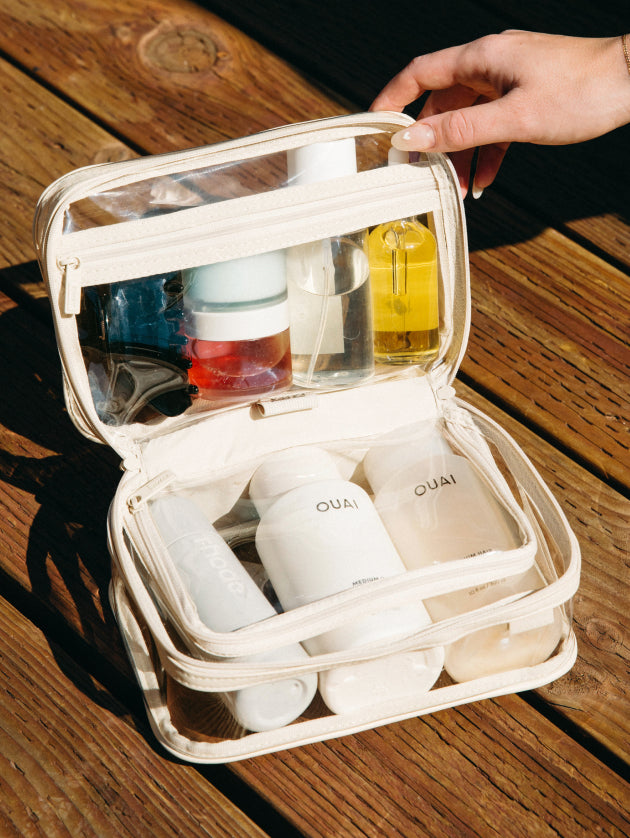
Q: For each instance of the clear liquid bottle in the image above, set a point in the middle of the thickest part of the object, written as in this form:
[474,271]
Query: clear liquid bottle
[227,598]
[329,293]
[319,535]
[404,282]
[237,324]
[436,508]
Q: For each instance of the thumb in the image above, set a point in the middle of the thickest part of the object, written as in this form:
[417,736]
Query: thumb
[478,125]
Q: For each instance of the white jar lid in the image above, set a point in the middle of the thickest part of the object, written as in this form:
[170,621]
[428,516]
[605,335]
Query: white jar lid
[289,469]
[236,323]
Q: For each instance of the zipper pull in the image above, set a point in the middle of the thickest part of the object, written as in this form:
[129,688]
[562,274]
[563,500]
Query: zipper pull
[149,490]
[71,286]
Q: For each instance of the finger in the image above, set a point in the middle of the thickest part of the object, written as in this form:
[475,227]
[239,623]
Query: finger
[451,99]
[462,161]
[434,71]
[488,164]
[489,122]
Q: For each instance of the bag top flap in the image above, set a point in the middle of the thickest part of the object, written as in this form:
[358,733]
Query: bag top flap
[254,275]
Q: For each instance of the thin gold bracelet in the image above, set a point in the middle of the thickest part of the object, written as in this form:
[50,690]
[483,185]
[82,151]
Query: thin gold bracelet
[626,53]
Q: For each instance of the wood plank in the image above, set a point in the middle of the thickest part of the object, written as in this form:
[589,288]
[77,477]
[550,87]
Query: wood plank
[55,489]
[40,143]
[170,77]
[74,762]
[550,336]
[594,694]
[493,768]
[70,747]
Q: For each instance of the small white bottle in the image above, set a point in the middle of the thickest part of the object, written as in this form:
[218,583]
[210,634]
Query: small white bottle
[436,508]
[227,598]
[318,535]
[330,302]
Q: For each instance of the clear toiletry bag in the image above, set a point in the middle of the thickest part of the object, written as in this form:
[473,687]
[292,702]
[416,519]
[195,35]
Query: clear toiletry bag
[313,534]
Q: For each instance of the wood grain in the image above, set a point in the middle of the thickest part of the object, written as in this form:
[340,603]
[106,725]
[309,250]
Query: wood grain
[550,336]
[493,768]
[73,762]
[145,70]
[593,695]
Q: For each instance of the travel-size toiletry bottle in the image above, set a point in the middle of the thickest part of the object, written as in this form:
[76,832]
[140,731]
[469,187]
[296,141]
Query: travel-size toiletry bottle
[237,325]
[329,292]
[436,508]
[318,535]
[404,283]
[227,598]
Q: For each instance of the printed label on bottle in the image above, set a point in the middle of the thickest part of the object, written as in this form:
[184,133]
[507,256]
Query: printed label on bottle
[433,484]
[336,504]
[316,323]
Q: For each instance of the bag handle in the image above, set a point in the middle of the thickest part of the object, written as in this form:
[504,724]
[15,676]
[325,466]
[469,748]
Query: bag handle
[222,676]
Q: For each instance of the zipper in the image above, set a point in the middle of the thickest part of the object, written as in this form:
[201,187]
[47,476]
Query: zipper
[71,284]
[149,490]
[147,247]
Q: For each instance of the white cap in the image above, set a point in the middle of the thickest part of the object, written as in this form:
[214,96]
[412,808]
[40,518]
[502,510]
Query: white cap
[321,161]
[382,462]
[251,323]
[269,706]
[397,155]
[287,470]
[249,279]
[361,686]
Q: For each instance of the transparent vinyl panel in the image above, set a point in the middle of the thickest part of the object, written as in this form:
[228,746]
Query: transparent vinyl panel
[158,195]
[305,523]
[325,314]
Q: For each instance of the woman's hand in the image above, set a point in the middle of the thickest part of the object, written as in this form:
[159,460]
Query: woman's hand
[512,87]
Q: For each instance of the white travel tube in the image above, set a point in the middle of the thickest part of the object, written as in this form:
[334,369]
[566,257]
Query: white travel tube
[227,598]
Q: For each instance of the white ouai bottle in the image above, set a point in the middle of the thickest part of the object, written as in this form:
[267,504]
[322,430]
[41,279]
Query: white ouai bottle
[227,598]
[436,509]
[319,535]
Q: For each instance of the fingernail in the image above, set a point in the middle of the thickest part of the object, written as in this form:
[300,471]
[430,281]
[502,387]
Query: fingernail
[419,138]
[477,191]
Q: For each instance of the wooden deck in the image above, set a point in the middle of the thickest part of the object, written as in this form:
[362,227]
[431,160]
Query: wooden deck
[83,81]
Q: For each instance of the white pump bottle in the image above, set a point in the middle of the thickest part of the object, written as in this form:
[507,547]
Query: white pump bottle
[436,509]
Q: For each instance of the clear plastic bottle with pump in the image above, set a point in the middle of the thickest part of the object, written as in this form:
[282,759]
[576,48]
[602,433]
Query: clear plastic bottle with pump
[404,282]
[436,508]
[227,598]
[237,324]
[318,535]
[329,292]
